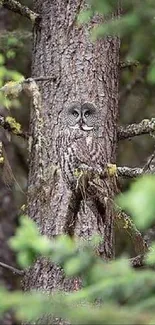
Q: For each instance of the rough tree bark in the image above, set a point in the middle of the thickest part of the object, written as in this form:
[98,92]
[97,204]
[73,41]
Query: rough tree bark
[82,71]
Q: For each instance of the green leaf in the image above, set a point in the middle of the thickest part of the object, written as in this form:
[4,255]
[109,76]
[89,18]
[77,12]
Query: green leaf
[139,201]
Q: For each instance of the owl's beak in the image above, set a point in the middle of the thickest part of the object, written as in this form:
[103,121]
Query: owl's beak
[80,123]
[84,127]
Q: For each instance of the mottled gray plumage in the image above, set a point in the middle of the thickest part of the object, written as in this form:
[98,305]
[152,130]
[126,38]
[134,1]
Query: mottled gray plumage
[77,143]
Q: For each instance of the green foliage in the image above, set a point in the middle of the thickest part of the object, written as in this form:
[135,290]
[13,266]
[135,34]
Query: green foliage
[6,75]
[151,73]
[85,16]
[14,39]
[139,201]
[28,243]
[124,295]
[136,22]
[9,42]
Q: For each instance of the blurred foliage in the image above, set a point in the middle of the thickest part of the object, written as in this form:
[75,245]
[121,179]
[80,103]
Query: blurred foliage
[7,75]
[111,293]
[139,201]
[136,18]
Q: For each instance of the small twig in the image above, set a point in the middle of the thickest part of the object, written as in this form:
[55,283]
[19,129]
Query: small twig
[12,269]
[16,6]
[128,64]
[144,127]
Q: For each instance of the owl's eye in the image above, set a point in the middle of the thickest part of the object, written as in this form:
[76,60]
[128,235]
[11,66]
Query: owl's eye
[87,113]
[75,114]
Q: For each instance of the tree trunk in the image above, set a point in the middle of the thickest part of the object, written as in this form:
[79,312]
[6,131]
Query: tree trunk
[81,71]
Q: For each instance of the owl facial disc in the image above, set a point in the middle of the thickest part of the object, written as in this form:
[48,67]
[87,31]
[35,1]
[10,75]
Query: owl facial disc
[83,117]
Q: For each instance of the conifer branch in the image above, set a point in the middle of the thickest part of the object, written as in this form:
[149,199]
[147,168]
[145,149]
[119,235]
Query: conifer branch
[17,7]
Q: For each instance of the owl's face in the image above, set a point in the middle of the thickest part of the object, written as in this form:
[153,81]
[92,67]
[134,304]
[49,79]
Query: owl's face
[82,117]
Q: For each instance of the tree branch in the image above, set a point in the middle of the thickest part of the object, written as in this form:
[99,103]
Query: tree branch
[16,6]
[131,172]
[134,172]
[128,64]
[12,269]
[144,127]
[125,223]
[7,126]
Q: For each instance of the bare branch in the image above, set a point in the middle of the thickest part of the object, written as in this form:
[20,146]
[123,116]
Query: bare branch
[16,6]
[130,172]
[12,269]
[144,127]
[128,64]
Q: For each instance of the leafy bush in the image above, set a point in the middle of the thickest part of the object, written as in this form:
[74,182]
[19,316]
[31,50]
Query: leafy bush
[124,294]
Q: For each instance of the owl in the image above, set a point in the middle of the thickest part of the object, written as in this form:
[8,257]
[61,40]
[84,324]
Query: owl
[78,145]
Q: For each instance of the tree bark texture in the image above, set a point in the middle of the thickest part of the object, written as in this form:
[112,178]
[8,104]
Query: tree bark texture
[81,71]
